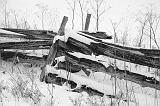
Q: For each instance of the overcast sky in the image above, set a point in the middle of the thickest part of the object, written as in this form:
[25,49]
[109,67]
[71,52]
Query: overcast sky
[116,10]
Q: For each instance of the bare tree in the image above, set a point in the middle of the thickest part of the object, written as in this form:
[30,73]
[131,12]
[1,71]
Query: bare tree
[149,23]
[15,18]
[115,26]
[143,23]
[72,7]
[153,20]
[54,19]
[83,5]
[125,36]
[43,9]
[23,23]
[153,24]
[98,8]
[26,24]
[6,13]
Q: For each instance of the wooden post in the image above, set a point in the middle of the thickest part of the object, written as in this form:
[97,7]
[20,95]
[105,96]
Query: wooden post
[62,27]
[0,58]
[87,22]
[53,49]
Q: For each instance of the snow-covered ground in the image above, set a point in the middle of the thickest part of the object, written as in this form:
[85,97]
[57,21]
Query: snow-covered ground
[20,86]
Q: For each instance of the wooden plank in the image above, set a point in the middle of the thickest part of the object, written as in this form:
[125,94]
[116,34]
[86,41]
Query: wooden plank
[33,34]
[92,92]
[133,56]
[136,56]
[147,52]
[73,68]
[95,66]
[52,53]
[100,35]
[87,22]
[0,58]
[13,36]
[52,78]
[26,45]
[9,56]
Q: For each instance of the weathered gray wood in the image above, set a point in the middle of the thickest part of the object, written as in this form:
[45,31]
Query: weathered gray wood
[92,92]
[144,57]
[52,53]
[87,22]
[73,67]
[42,75]
[133,56]
[62,27]
[13,36]
[53,49]
[22,58]
[147,52]
[0,58]
[95,66]
[137,56]
[26,45]
[33,34]
[100,35]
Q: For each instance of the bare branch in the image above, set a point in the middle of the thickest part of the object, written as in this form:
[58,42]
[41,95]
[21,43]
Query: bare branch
[98,10]
[83,5]
[43,9]
[73,10]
